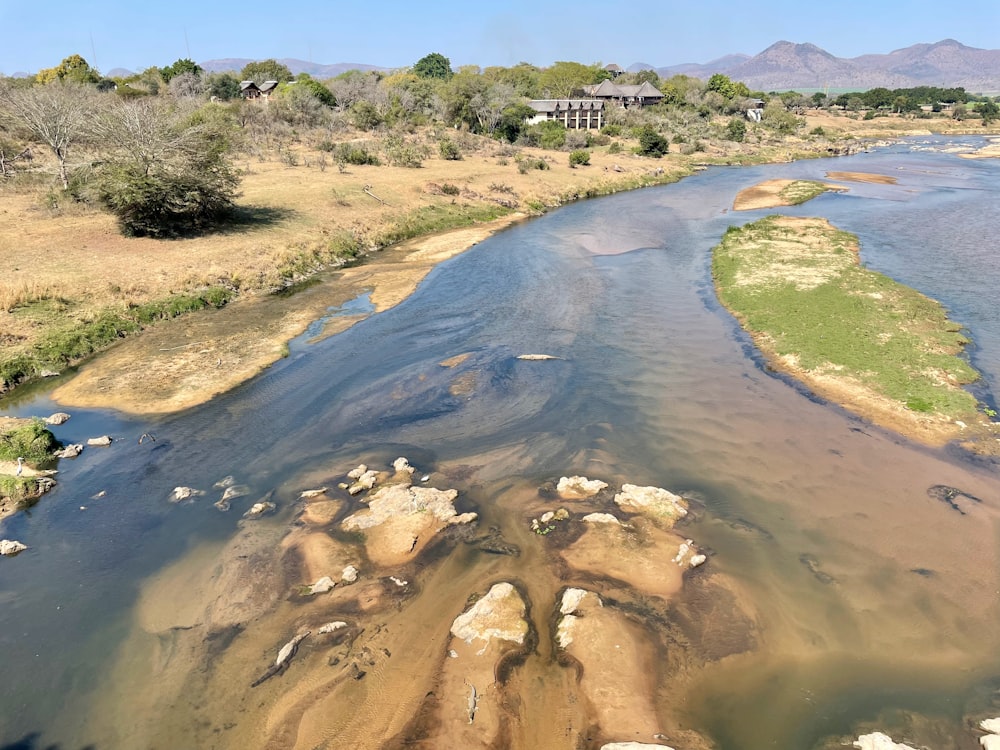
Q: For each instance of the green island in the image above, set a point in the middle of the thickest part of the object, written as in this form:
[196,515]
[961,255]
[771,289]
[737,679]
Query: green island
[881,349]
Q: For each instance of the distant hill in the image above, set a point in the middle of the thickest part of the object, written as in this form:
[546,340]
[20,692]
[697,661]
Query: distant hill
[787,65]
[316,70]
[119,73]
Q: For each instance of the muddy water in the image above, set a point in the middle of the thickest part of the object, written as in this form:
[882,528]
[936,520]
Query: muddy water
[839,593]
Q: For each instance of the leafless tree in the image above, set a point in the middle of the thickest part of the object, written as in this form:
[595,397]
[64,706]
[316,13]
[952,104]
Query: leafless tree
[57,114]
[490,104]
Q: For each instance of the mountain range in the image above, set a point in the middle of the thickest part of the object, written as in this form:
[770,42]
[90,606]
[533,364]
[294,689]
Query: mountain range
[784,65]
[787,65]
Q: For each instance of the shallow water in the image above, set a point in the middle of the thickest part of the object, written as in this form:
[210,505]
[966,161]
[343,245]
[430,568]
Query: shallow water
[865,595]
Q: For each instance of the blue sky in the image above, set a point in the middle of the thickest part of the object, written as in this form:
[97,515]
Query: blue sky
[392,33]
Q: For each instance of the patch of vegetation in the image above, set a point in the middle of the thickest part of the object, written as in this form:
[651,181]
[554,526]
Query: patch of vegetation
[526,163]
[811,302]
[30,441]
[580,157]
[23,491]
[449,150]
[350,153]
[430,219]
[801,191]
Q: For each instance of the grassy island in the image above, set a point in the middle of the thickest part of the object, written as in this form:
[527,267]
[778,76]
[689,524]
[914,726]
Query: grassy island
[879,348]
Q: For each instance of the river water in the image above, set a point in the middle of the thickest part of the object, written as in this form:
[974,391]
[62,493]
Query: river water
[865,601]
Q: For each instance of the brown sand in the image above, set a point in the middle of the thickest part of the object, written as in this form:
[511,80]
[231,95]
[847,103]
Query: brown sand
[767,194]
[877,179]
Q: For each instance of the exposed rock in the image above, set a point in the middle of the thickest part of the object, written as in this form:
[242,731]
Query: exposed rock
[578,488]
[601,518]
[356,473]
[401,464]
[572,599]
[364,482]
[990,742]
[537,357]
[224,482]
[879,741]
[321,586]
[391,503]
[48,374]
[184,493]
[103,440]
[331,627]
[312,493]
[234,491]
[60,417]
[560,515]
[285,656]
[655,502]
[633,746]
[10,547]
[70,451]
[990,725]
[498,614]
[547,516]
[462,518]
[259,509]
[350,574]
[697,560]
[398,581]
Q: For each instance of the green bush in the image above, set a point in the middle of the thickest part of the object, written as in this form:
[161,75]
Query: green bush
[549,134]
[652,143]
[612,130]
[736,130]
[580,157]
[348,153]
[615,148]
[526,163]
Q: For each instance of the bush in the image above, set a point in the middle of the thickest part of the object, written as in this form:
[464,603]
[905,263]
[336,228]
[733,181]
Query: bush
[348,153]
[449,189]
[817,131]
[652,143]
[449,150]
[736,130]
[581,157]
[549,134]
[615,148]
[526,163]
[612,130]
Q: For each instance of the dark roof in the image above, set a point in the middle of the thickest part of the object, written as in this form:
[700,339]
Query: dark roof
[561,105]
[613,68]
[244,85]
[268,86]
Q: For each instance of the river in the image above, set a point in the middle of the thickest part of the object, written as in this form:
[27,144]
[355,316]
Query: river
[857,599]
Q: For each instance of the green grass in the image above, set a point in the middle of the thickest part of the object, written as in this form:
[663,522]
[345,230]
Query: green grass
[22,490]
[438,218]
[856,323]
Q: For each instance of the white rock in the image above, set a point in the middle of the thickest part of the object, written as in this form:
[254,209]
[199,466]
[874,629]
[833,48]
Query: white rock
[990,725]
[395,501]
[990,742]
[632,746]
[547,516]
[564,632]
[652,501]
[364,482]
[184,493]
[60,417]
[571,599]
[401,464]
[330,627]
[601,518]
[579,487]
[312,493]
[100,441]
[11,547]
[498,614]
[697,560]
[355,473]
[321,586]
[234,491]
[70,451]
[350,574]
[462,518]
[878,741]
[537,357]
[682,551]
[259,509]
[224,482]
[452,653]
[398,581]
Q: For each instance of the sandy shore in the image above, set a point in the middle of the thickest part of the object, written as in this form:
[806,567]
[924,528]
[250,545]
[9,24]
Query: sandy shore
[185,362]
[769,194]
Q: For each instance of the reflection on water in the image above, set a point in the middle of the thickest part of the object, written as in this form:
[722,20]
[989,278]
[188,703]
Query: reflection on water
[862,594]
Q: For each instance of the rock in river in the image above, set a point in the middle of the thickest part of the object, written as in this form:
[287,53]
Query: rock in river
[9,547]
[498,614]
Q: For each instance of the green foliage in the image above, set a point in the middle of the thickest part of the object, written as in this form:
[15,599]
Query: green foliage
[800,191]
[31,441]
[322,94]
[223,86]
[350,153]
[266,70]
[615,148]
[736,130]
[779,119]
[434,65]
[652,143]
[449,189]
[612,130]
[449,150]
[580,157]
[181,66]
[549,134]
[438,218]
[513,121]
[562,80]
[365,116]
[21,490]
[399,153]
[989,111]
[818,130]
[527,163]
[73,68]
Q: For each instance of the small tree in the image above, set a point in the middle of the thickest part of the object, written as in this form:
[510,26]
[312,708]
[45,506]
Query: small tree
[989,111]
[580,157]
[180,67]
[266,70]
[73,68]
[736,130]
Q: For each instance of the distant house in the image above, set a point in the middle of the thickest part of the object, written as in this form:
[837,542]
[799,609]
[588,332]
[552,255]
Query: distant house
[614,70]
[576,114]
[625,96]
[250,90]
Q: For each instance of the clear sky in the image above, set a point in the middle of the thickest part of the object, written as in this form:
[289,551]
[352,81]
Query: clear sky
[396,33]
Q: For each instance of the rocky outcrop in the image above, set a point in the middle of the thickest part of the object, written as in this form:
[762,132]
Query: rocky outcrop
[990,741]
[70,451]
[60,417]
[103,440]
[181,494]
[232,492]
[579,488]
[350,574]
[633,746]
[572,600]
[499,614]
[321,586]
[601,518]
[260,509]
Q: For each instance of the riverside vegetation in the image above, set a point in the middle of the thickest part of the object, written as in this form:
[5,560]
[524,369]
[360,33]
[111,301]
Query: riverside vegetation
[147,198]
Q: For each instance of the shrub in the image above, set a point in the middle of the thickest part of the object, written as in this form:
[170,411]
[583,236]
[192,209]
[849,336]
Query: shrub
[615,148]
[580,157]
[597,139]
[612,130]
[817,131]
[652,143]
[526,163]
[736,130]
[549,134]
[348,153]
[449,189]
[449,150]
[31,441]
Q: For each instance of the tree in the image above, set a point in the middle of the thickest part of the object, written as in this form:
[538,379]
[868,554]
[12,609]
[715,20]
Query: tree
[180,67]
[165,174]
[434,65]
[73,68]
[317,89]
[561,79]
[266,70]
[989,111]
[56,115]
[222,86]
[186,86]
[736,130]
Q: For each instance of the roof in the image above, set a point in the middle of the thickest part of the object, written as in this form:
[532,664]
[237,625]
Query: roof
[561,105]
[613,68]
[268,86]
[244,85]
[609,90]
